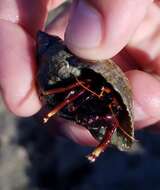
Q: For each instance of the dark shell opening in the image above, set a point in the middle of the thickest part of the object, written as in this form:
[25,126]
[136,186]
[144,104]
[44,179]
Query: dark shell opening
[88,110]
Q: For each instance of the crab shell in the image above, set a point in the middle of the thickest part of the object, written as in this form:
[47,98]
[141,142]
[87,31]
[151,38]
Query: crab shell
[52,51]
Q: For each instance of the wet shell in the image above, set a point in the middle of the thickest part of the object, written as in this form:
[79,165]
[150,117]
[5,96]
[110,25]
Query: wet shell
[57,63]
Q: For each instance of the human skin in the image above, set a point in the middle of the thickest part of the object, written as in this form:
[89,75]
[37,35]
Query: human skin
[127,31]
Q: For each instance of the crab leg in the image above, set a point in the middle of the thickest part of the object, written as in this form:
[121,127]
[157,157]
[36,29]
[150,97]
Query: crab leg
[107,137]
[62,89]
[114,102]
[62,105]
[103,145]
[118,125]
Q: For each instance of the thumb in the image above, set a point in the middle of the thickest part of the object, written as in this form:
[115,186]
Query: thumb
[100,29]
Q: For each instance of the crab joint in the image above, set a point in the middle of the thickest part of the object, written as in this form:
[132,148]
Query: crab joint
[62,105]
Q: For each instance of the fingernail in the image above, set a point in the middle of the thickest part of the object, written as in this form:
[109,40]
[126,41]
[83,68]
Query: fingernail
[84,28]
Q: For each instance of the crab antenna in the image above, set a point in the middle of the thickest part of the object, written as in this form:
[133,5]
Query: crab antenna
[62,89]
[103,89]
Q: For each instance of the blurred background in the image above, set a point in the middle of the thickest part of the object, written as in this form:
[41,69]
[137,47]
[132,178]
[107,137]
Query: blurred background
[33,158]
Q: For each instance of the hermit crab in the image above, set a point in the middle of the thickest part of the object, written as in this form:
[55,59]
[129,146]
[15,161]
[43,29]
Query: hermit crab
[93,94]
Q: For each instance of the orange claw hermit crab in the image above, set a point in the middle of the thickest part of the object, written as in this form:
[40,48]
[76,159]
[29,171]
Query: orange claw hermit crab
[94,94]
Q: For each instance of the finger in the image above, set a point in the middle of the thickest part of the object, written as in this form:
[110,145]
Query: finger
[100,29]
[54,4]
[17,70]
[146,93]
[145,44]
[58,25]
[30,15]
[17,51]
[75,132]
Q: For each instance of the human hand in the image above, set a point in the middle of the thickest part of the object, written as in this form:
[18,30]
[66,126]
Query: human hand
[96,30]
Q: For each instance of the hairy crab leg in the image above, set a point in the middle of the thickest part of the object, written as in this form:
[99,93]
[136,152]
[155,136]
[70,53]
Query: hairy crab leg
[62,89]
[62,105]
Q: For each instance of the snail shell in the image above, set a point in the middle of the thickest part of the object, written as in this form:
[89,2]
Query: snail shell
[56,64]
